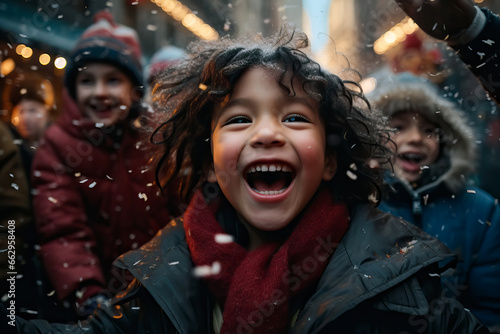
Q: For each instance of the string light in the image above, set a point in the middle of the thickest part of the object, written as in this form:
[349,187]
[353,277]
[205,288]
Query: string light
[60,63]
[394,36]
[187,18]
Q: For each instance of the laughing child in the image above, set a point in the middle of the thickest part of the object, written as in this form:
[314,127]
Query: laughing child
[434,155]
[281,234]
[95,197]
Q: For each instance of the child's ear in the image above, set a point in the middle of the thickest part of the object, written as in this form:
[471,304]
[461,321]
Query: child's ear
[211,175]
[330,166]
[209,171]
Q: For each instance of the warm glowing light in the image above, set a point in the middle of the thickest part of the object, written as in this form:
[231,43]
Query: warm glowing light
[183,14]
[44,59]
[390,37]
[60,63]
[168,6]
[394,36]
[478,1]
[27,52]
[7,66]
[368,85]
[189,20]
[19,48]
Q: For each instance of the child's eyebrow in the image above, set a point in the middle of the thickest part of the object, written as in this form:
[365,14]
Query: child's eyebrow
[245,102]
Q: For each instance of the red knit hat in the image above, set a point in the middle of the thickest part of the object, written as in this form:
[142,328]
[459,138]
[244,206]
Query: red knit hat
[108,42]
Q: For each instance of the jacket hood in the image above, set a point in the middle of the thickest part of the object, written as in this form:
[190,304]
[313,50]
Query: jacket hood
[457,139]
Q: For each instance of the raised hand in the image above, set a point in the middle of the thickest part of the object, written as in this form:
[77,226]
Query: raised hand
[440,18]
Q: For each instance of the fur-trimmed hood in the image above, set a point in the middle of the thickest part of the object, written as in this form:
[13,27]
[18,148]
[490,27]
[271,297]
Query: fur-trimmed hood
[457,140]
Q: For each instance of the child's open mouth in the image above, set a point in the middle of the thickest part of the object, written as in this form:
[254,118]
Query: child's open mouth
[411,161]
[270,179]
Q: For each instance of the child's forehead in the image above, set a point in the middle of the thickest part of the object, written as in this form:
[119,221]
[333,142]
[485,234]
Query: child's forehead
[412,116]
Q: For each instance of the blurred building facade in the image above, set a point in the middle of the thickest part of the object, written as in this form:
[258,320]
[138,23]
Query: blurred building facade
[373,37]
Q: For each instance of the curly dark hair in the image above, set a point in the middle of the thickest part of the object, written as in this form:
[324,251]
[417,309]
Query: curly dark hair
[187,93]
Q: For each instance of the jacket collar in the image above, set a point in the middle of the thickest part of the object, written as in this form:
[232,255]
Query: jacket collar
[363,267]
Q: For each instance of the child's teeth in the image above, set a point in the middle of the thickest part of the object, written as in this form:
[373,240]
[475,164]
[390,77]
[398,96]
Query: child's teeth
[268,168]
[270,192]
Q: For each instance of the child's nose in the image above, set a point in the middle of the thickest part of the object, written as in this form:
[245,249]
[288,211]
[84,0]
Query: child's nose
[268,135]
[100,88]
[415,134]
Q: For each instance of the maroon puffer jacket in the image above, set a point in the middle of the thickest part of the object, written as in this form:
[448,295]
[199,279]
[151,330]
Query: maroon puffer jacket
[94,199]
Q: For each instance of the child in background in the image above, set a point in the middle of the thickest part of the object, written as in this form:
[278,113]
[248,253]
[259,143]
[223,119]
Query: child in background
[434,154]
[95,197]
[32,101]
[281,234]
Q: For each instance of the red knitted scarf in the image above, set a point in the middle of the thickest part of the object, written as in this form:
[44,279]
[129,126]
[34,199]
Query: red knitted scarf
[255,287]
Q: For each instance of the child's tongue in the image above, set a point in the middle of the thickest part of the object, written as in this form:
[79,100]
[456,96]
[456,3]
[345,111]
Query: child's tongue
[261,185]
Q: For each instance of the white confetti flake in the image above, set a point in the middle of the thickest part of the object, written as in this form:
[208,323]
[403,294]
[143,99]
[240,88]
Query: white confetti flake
[99,125]
[109,177]
[206,270]
[434,275]
[489,42]
[223,238]
[471,191]
[84,180]
[143,196]
[15,186]
[92,185]
[202,271]
[481,55]
[51,293]
[353,167]
[173,263]
[52,199]
[351,175]
[372,198]
[136,263]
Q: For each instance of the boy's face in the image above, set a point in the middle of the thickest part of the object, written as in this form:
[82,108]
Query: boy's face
[417,143]
[103,93]
[30,119]
[268,150]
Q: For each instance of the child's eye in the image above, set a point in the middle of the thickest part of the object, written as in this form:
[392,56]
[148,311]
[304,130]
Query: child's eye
[238,120]
[296,118]
[114,81]
[85,81]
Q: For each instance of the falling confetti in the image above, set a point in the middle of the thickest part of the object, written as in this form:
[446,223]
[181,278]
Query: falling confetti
[92,185]
[15,186]
[203,271]
[351,175]
[223,238]
[52,199]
